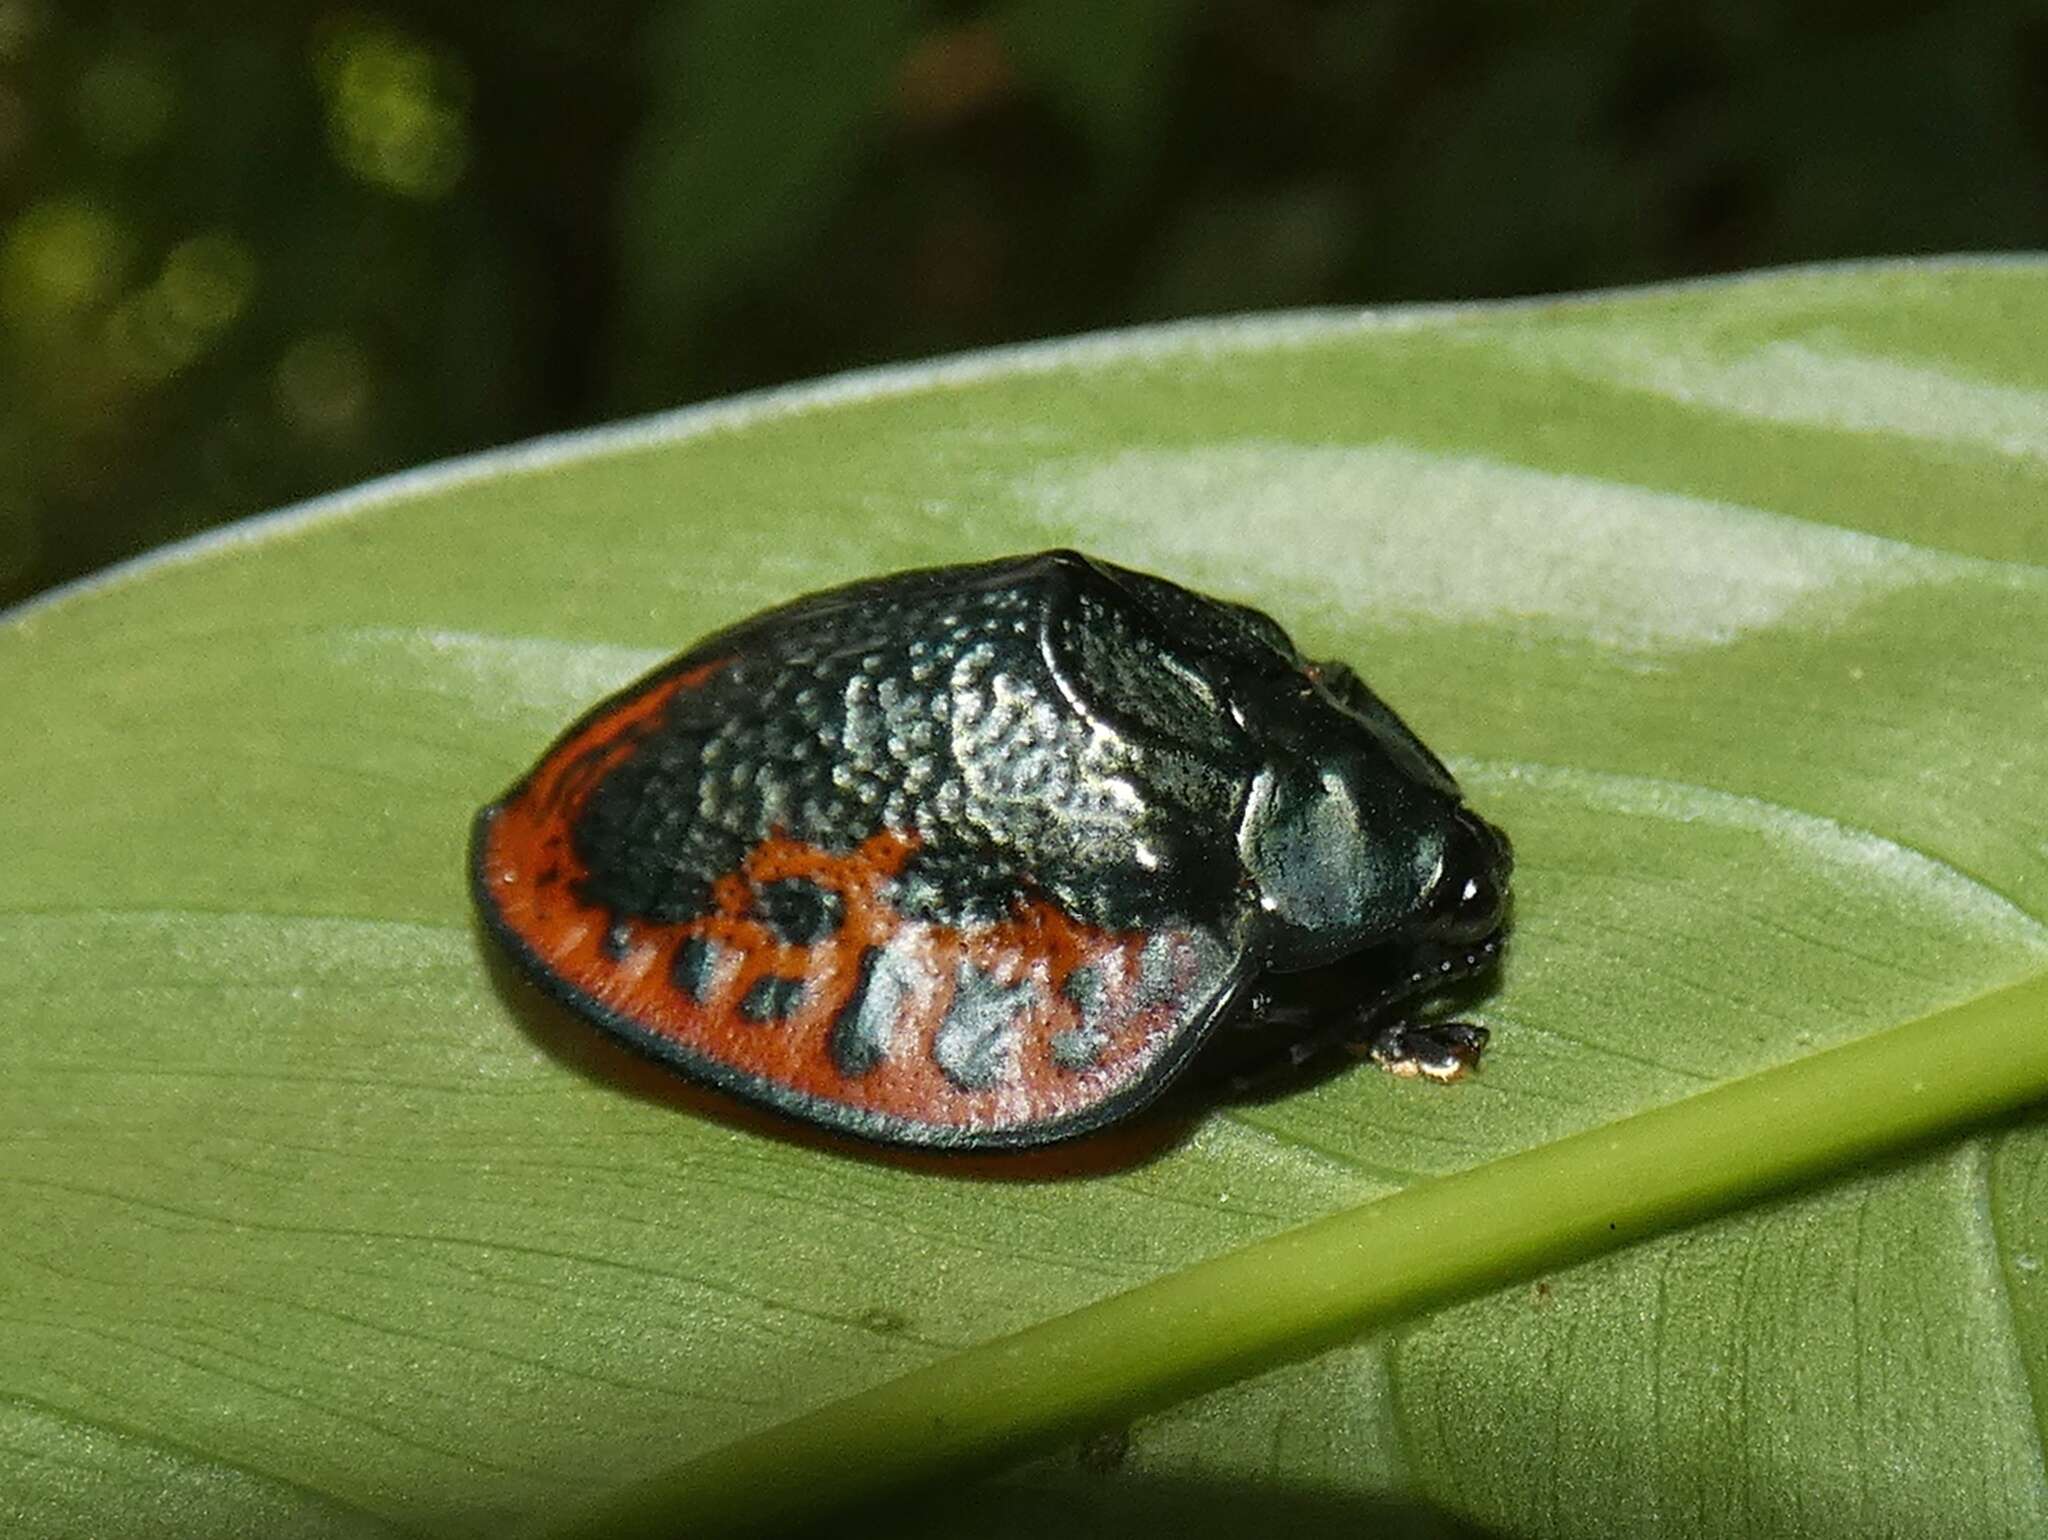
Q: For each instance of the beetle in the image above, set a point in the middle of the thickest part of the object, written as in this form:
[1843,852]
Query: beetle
[979,857]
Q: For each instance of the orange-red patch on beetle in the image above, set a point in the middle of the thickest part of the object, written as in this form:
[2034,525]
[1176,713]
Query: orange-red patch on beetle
[629,971]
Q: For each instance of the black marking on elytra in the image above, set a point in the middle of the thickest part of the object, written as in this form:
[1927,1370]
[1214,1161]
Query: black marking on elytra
[1089,991]
[1079,1047]
[618,937]
[862,1029]
[550,875]
[772,998]
[696,962]
[1156,969]
[948,884]
[799,910]
[1102,1013]
[975,1044]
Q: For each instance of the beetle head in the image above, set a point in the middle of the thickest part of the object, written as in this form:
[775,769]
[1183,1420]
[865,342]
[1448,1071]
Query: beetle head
[1354,835]
[1350,833]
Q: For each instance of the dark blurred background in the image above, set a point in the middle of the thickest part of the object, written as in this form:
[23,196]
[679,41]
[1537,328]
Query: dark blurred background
[250,253]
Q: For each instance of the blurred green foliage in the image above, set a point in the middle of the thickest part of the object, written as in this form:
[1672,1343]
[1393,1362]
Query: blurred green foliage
[248,255]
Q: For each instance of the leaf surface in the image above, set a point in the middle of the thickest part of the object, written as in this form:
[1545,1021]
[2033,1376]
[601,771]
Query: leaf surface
[1730,602]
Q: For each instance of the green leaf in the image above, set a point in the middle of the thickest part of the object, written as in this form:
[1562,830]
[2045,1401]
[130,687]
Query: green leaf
[1312,1286]
[1726,600]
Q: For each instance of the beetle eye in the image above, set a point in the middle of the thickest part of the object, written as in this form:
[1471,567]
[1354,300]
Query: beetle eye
[1471,890]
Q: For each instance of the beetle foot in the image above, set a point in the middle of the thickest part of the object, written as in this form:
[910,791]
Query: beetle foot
[1438,1050]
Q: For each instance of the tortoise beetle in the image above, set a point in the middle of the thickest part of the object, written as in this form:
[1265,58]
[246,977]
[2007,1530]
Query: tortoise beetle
[978,857]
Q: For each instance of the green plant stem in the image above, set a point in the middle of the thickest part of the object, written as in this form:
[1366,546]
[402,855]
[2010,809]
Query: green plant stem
[1367,1267]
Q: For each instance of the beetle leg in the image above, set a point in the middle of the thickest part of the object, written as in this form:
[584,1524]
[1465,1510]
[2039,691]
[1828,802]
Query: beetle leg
[1296,1028]
[1265,1046]
[1432,1050]
[1261,1058]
